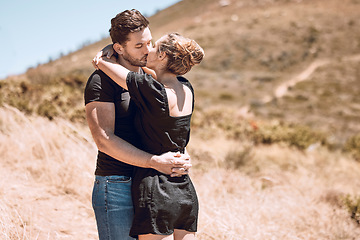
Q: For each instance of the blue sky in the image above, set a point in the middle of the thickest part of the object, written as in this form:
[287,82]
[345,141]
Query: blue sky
[32,32]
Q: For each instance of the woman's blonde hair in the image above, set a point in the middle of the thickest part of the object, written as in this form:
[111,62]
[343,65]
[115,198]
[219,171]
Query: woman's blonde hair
[183,53]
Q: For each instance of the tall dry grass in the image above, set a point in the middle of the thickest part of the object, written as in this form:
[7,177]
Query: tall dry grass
[46,167]
[276,192]
[52,152]
[10,223]
[279,194]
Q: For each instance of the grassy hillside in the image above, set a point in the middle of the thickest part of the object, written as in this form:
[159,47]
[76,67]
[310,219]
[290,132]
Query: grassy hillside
[277,110]
[252,47]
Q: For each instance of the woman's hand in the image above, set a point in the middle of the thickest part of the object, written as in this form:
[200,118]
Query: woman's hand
[107,51]
[170,163]
[183,165]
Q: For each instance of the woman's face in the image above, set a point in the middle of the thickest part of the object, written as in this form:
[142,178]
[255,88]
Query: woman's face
[153,58]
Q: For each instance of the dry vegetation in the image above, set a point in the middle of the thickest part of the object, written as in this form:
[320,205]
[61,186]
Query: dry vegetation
[47,171]
[275,136]
[246,191]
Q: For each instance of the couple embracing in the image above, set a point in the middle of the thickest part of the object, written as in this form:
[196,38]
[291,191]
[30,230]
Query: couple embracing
[138,108]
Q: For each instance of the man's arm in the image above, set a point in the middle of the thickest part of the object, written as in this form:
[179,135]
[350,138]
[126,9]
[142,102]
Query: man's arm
[101,120]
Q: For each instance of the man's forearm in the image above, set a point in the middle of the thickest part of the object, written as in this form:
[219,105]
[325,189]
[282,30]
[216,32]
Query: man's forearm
[124,151]
[101,121]
[102,130]
[168,163]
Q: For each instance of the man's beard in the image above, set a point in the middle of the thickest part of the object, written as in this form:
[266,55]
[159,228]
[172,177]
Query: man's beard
[133,61]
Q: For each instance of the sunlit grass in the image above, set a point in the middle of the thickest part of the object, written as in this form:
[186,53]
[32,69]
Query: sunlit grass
[246,191]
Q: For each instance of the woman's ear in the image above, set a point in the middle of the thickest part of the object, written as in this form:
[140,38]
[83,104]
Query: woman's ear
[161,55]
[118,48]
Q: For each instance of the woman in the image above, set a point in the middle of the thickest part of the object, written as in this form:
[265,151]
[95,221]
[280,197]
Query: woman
[165,207]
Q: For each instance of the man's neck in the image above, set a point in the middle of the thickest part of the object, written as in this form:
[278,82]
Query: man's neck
[127,65]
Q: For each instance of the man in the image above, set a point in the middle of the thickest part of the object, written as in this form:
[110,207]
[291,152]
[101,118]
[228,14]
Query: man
[109,113]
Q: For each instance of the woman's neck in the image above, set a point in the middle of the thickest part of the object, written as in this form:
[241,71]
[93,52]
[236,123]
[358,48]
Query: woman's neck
[166,78]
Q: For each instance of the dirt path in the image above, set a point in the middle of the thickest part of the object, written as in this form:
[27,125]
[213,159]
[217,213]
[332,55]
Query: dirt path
[281,90]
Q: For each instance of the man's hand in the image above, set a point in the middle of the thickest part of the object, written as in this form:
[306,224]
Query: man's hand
[173,164]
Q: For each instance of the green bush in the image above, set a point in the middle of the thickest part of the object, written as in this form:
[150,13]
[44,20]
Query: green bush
[47,109]
[293,135]
[353,206]
[352,146]
[238,158]
[20,103]
[303,136]
[46,94]
[226,96]
[299,136]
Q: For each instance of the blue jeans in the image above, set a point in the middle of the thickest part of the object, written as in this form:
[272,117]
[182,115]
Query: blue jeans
[113,207]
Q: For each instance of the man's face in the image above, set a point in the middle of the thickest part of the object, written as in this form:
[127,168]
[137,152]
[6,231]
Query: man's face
[137,48]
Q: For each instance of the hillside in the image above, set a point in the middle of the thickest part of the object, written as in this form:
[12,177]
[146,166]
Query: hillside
[252,47]
[275,138]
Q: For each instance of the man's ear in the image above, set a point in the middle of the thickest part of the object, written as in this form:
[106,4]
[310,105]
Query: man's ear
[118,48]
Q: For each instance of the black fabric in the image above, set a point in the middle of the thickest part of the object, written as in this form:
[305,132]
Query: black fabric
[159,132]
[101,88]
[161,203]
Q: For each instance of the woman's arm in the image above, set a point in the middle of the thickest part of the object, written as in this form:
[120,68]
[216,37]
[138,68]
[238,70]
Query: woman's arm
[114,70]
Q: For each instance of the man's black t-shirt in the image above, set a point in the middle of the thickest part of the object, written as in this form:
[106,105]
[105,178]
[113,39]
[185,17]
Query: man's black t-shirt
[102,89]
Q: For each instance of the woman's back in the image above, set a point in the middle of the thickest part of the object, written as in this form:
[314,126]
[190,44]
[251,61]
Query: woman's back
[164,115]
[180,99]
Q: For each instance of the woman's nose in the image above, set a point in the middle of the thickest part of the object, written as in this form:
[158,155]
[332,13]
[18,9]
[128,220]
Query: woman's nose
[148,48]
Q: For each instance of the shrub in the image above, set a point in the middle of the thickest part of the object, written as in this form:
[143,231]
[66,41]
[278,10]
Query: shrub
[353,206]
[299,136]
[294,135]
[226,96]
[47,109]
[302,137]
[352,146]
[20,103]
[238,158]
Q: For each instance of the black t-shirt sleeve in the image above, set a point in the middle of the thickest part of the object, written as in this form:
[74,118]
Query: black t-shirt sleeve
[99,88]
[148,94]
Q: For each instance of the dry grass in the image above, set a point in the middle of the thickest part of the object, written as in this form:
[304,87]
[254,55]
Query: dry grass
[46,150]
[246,191]
[281,193]
[47,173]
[276,193]
[11,224]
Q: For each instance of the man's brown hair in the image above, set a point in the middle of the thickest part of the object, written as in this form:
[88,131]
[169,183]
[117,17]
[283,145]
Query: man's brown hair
[126,22]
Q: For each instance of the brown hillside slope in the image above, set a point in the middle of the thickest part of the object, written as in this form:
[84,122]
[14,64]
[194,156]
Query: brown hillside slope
[252,48]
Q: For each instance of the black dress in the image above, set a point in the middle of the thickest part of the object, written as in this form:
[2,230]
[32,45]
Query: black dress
[161,203]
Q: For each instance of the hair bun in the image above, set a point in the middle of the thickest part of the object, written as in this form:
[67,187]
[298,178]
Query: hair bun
[196,52]
[183,53]
[192,54]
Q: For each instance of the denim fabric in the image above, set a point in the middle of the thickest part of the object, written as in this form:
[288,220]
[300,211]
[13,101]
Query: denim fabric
[113,207]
